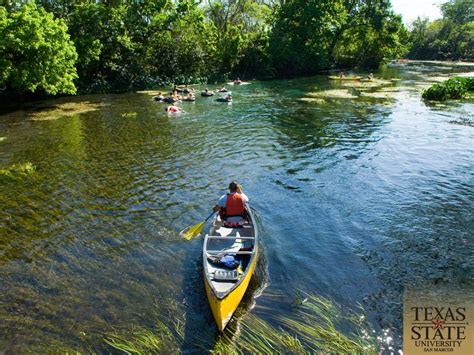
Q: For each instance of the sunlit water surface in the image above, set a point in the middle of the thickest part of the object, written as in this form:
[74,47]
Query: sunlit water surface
[357,199]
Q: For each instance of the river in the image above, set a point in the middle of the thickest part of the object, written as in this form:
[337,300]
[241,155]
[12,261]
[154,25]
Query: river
[358,197]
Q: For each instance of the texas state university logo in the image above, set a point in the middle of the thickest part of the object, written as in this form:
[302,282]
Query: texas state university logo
[434,323]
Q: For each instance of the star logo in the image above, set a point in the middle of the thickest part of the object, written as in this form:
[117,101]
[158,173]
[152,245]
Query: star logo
[438,323]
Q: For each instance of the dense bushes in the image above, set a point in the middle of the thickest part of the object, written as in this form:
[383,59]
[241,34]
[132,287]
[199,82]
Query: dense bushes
[453,88]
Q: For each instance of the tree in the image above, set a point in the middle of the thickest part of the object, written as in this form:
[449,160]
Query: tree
[371,34]
[310,35]
[36,53]
[241,34]
[181,45]
[302,36]
[451,37]
[458,11]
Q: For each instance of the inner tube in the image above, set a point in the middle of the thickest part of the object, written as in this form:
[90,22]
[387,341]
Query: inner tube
[158,98]
[207,94]
[173,109]
[222,90]
[222,99]
[170,100]
[189,99]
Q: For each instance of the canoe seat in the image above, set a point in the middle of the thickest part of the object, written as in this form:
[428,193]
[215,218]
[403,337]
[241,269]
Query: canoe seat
[226,275]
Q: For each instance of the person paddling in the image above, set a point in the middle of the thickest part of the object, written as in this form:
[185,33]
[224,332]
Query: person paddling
[231,206]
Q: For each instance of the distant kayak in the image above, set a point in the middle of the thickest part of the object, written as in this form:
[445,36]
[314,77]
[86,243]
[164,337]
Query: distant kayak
[335,77]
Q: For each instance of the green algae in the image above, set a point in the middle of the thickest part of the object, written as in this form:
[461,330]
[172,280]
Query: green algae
[64,110]
[17,171]
[332,94]
[129,114]
[313,100]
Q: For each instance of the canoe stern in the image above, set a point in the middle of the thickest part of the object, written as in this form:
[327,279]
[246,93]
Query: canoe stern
[223,308]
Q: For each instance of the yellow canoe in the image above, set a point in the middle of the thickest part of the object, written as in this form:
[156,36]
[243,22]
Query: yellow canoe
[333,77]
[225,287]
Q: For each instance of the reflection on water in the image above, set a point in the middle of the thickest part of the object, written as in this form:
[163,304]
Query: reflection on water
[358,198]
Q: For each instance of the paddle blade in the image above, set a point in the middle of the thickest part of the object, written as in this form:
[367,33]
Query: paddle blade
[192,231]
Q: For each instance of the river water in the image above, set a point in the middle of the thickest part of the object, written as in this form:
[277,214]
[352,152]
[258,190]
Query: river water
[357,197]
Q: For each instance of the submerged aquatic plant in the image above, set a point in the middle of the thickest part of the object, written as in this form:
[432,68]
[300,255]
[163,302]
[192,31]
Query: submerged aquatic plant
[314,327]
[129,114]
[64,109]
[163,338]
[16,171]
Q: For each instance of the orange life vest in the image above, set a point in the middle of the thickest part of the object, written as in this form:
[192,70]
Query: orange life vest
[234,206]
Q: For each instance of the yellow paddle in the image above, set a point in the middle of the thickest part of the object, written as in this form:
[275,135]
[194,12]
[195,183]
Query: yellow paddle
[194,230]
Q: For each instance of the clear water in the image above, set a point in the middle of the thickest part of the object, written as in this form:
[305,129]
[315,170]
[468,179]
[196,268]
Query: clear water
[357,199]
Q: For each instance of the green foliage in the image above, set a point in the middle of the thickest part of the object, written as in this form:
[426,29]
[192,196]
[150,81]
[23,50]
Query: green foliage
[241,35]
[181,45]
[453,88]
[108,55]
[367,47]
[449,38]
[302,37]
[120,46]
[311,35]
[372,34]
[36,52]
[458,11]
[141,45]
[255,58]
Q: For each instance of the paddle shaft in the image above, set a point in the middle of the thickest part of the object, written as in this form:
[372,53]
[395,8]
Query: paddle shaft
[209,216]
